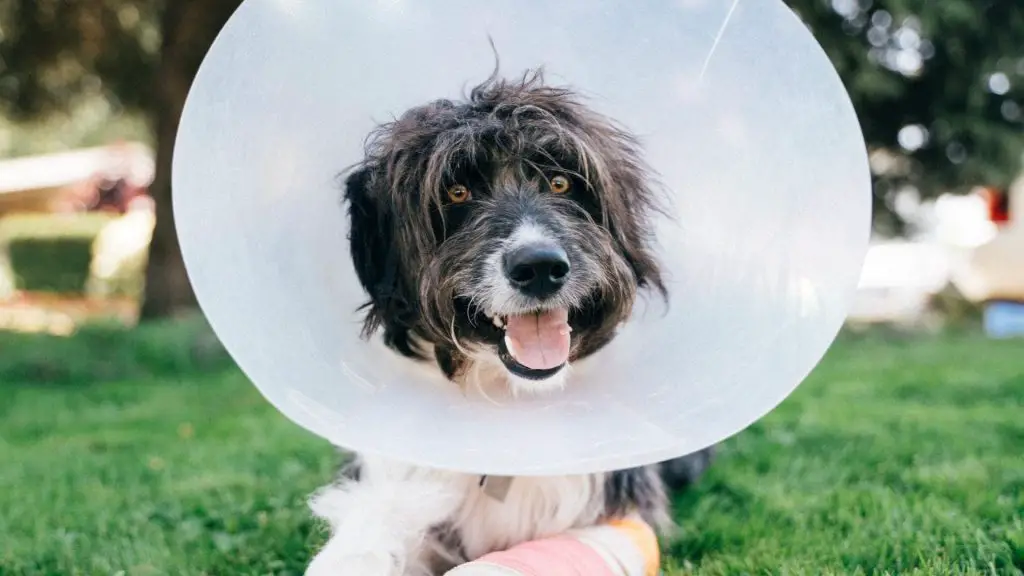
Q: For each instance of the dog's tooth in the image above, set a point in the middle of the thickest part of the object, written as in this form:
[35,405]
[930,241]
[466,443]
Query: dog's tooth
[508,346]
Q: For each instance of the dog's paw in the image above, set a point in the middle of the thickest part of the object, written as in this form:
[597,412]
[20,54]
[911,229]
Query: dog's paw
[336,563]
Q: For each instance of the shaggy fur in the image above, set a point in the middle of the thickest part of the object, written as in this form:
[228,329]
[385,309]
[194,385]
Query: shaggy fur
[446,196]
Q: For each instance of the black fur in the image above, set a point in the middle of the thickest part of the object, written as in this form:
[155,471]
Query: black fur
[639,489]
[375,257]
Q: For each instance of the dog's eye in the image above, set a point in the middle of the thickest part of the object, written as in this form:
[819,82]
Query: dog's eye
[560,184]
[458,194]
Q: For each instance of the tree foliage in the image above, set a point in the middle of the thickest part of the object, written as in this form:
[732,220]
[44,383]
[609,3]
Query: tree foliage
[939,86]
[55,53]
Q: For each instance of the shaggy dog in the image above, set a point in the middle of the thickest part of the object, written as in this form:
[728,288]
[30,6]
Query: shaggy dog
[499,239]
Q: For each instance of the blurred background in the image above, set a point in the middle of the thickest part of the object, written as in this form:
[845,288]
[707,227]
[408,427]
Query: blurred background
[132,445]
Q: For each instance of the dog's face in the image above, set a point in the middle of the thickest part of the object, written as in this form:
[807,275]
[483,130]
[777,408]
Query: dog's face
[508,230]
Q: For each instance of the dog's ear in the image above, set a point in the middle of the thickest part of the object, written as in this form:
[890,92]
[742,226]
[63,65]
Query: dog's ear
[372,242]
[630,212]
[637,253]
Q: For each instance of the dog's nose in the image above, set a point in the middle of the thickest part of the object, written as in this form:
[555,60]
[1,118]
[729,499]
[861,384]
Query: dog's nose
[537,270]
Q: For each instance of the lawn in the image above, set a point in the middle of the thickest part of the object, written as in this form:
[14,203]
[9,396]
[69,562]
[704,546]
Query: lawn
[147,452]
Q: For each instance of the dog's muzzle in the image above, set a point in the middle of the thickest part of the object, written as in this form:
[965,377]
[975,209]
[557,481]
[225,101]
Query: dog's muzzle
[536,342]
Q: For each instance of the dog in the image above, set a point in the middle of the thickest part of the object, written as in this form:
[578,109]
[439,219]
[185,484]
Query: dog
[499,238]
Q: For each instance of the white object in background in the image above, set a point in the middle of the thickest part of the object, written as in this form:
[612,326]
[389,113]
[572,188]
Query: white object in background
[994,270]
[897,280]
[962,221]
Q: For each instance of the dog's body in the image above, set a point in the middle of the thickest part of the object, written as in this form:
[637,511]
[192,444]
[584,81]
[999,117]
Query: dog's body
[499,239]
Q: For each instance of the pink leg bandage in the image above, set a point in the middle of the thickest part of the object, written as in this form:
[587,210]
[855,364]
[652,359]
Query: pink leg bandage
[560,556]
[622,547]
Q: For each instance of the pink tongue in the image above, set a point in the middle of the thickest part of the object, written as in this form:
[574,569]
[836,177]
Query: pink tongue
[539,341]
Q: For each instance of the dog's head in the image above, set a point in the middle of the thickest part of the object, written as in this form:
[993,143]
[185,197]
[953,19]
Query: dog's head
[510,229]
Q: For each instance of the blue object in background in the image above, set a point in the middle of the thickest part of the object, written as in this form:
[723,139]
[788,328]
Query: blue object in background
[1004,319]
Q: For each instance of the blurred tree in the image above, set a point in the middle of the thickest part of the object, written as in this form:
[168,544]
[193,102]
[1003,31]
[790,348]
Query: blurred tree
[55,54]
[188,27]
[939,87]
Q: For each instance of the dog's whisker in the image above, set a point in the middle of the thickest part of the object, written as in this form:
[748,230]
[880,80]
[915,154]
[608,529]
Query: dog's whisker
[478,384]
[455,340]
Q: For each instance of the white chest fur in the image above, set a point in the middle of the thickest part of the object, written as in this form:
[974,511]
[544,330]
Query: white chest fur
[533,508]
[390,510]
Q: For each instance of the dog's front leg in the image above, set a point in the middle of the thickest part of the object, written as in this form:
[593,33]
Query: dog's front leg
[378,523]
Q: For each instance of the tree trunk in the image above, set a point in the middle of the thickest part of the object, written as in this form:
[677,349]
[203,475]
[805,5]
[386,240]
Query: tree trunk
[189,28]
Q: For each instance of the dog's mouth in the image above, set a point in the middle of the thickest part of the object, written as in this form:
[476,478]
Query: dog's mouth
[534,345]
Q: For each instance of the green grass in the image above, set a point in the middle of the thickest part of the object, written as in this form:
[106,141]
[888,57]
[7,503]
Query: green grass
[49,252]
[146,452]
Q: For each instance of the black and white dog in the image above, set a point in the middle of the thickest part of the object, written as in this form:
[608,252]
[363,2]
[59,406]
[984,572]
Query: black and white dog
[499,239]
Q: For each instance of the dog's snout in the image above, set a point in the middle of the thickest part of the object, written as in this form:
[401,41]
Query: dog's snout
[537,269]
